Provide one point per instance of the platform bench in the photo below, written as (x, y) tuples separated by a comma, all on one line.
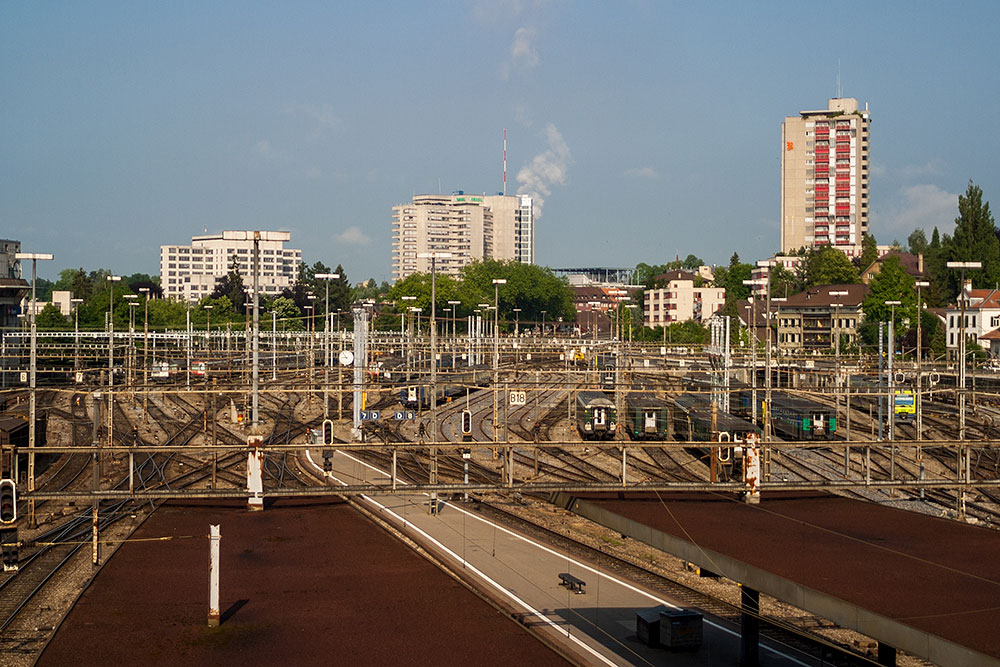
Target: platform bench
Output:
[(572, 583)]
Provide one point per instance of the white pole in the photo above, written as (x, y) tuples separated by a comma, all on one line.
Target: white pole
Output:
[(213, 576)]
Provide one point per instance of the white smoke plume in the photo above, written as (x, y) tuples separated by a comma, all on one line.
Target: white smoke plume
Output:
[(522, 50), (545, 170)]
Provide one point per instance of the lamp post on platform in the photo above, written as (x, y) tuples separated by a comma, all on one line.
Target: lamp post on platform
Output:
[(454, 304), (145, 346), (891, 398), (326, 277), (964, 296), (32, 376), (434, 257), (836, 351), (76, 333)]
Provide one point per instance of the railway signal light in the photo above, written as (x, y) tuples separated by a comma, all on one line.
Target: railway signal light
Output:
[(327, 432), (466, 422), (8, 501), (9, 549), (327, 460)]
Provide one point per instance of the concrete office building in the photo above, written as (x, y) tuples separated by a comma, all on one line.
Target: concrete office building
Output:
[(824, 178), (469, 227), (190, 272), (13, 287)]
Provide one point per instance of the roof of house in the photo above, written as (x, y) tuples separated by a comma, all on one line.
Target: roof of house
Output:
[(747, 311), (674, 275), (910, 263), (819, 296), (983, 298), (992, 335)]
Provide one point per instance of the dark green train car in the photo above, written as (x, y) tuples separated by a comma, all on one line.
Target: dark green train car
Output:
[(647, 417), (596, 416)]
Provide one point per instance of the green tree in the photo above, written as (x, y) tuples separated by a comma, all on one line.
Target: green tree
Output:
[(340, 292), (828, 266), (644, 273), (869, 252), (231, 286), (974, 240), (891, 283), (49, 318), (529, 287), (691, 262), (288, 315), (916, 242), (783, 282)]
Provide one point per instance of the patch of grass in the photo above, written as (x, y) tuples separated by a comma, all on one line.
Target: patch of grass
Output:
[(613, 541)]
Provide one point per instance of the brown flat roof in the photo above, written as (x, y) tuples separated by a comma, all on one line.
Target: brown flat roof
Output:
[(305, 582), (935, 575)]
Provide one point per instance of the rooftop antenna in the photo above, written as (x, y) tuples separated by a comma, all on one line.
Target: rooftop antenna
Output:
[(505, 161), (838, 79)]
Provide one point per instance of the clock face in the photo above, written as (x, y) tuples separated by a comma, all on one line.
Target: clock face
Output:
[(346, 358)]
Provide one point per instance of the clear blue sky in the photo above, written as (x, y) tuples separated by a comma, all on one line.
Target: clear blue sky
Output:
[(653, 126)]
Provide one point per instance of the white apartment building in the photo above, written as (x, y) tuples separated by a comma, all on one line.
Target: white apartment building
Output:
[(513, 227), (982, 320), (190, 272), (824, 177), (469, 227), (680, 301)]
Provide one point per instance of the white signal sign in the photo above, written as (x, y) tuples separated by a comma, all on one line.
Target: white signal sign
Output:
[(518, 397)]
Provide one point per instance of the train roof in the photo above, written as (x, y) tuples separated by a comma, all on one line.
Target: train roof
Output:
[(595, 397), (645, 399)]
